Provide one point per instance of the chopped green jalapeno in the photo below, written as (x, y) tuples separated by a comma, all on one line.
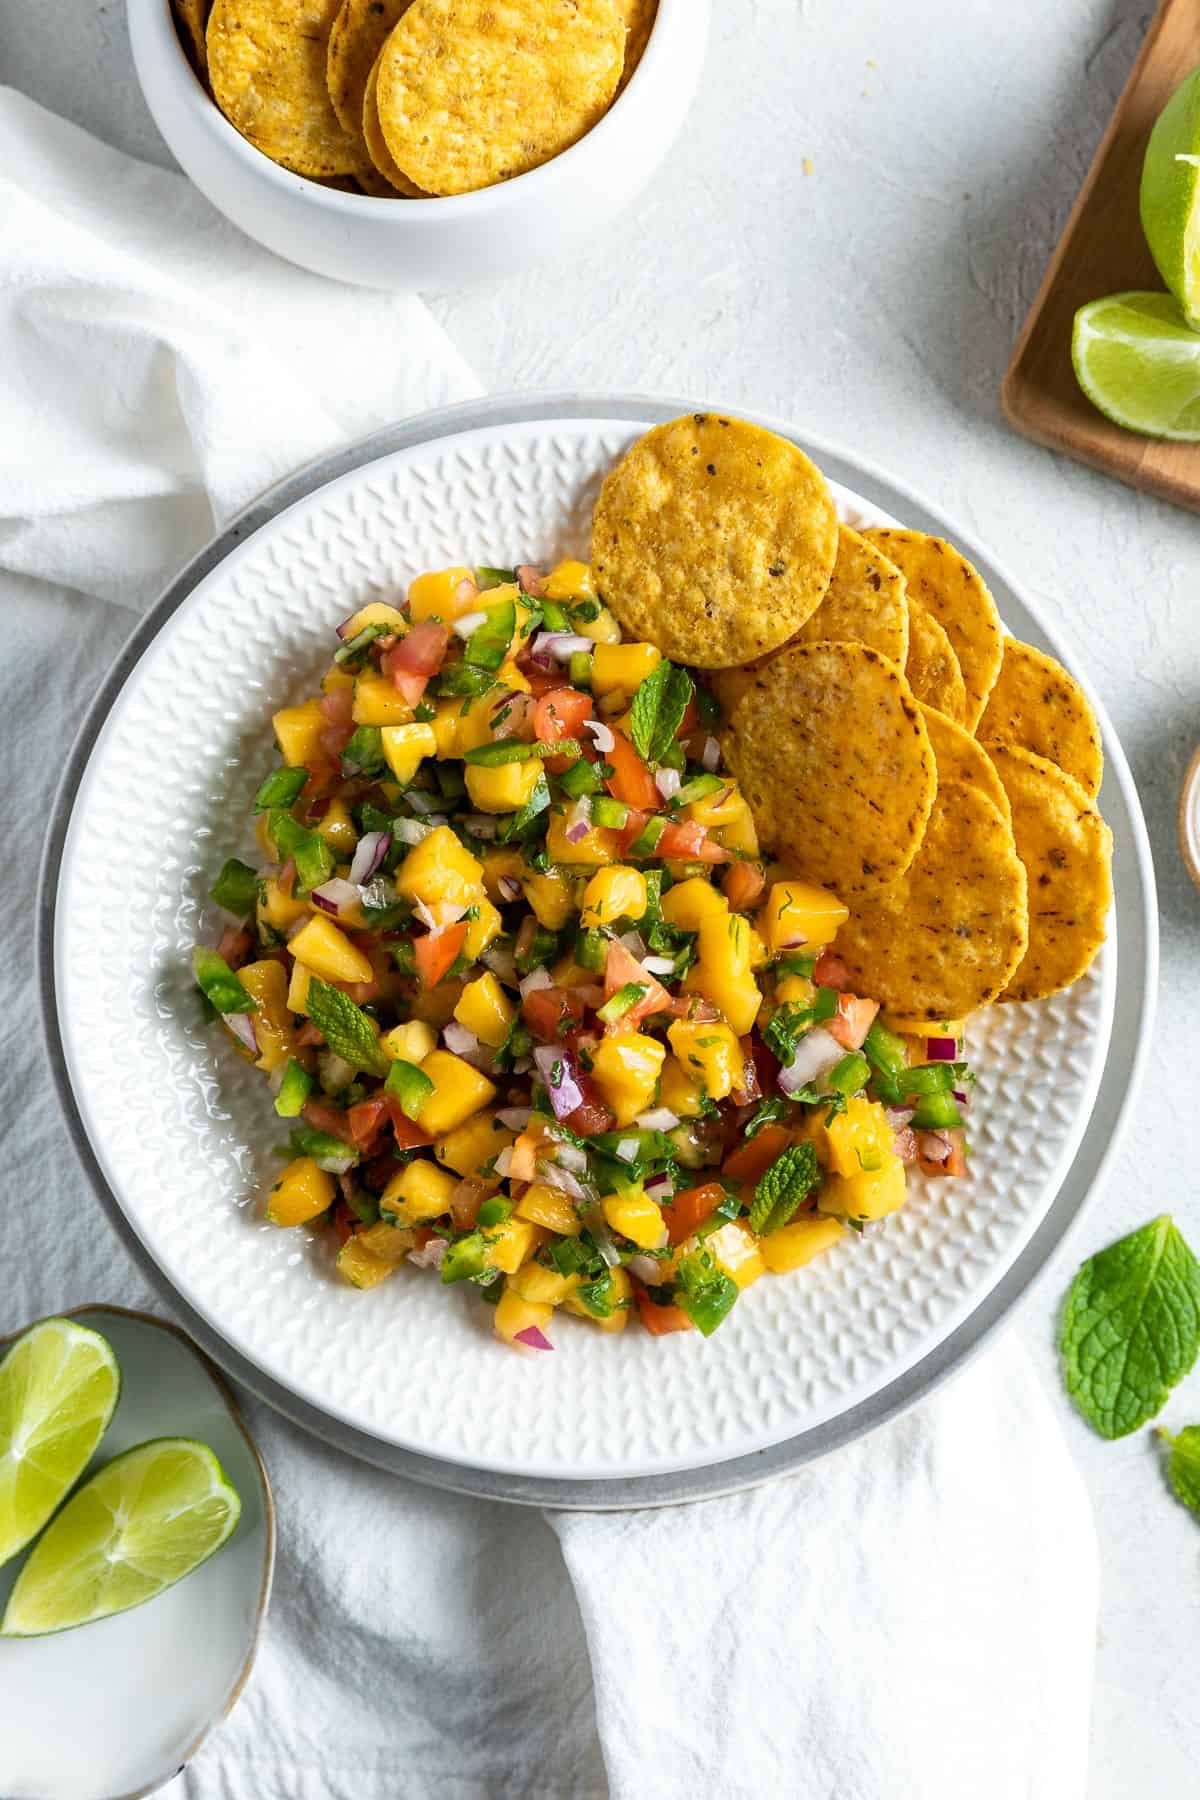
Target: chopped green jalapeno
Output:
[(294, 1089), (494, 1211), (218, 983), (465, 1259), (579, 670), (409, 1087), (236, 888), (581, 778), (282, 788), (936, 1112), (488, 644), (609, 814), (621, 1001)]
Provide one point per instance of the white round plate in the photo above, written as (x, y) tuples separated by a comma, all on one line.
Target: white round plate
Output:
[(117, 1708), (182, 1135)]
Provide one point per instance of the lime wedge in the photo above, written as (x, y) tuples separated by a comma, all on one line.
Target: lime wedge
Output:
[(1137, 360), (1170, 198), (141, 1523), (58, 1387)]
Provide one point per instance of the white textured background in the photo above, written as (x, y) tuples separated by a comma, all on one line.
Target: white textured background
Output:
[(877, 299)]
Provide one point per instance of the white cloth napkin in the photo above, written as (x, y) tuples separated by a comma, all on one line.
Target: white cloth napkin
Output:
[(911, 1618)]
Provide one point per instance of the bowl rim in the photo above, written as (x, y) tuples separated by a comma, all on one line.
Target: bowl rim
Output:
[(436, 208), (1120, 1076)]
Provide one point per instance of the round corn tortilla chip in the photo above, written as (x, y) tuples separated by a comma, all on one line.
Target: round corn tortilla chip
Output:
[(960, 758), (942, 581), (834, 760), (1067, 851), (266, 61), (191, 17), (932, 667), (1036, 705), (946, 937), (639, 17), (385, 168), (472, 92), (359, 33), (865, 602), (714, 539)]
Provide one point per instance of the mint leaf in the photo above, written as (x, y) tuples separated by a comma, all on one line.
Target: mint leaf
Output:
[(658, 708), (1183, 1465), (783, 1187), (1131, 1327), (345, 1027)]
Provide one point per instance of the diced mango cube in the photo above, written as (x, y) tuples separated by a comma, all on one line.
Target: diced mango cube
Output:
[(512, 1243), (798, 915), (614, 893), (405, 747), (598, 844), (513, 1313), (410, 1042), (795, 990), (720, 807), (569, 580), (336, 677), (552, 896), (735, 1249), (301, 1192), (626, 1067), (868, 1195), (680, 1091), (483, 925), (793, 1245), (603, 629), (634, 1215), (447, 716), (388, 1242), (266, 982), (689, 902), (337, 828), (710, 1054), (435, 595), (375, 612), (860, 1138), (297, 994), (458, 1092), (470, 1147), (376, 702), (484, 1008), (722, 971), (740, 832), (298, 732), (550, 1207), (506, 787), (275, 910), (544, 1287), (440, 868), (621, 668), (419, 1191), (328, 952)]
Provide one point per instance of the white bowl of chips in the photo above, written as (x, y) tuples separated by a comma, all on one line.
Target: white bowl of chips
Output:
[(615, 117)]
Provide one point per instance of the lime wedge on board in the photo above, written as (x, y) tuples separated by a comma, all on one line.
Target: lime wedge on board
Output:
[(59, 1385), (1138, 361), (1170, 196), (141, 1523)]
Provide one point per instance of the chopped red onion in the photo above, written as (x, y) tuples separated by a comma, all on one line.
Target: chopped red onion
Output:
[(500, 961), (899, 1116), (645, 1268), (334, 1072), (934, 1146), (661, 1186), (503, 1162), (337, 896), (710, 756), (533, 1338), (410, 831), (961, 1095), (659, 965), (481, 825), (515, 1118), (430, 1255), (564, 1180), (440, 914), (536, 978), (627, 1149), (570, 1156), (459, 1041), (242, 1027), (941, 1049), (344, 630), (659, 1118), (668, 782), (368, 855), (554, 1067), (815, 1055), (559, 646), (296, 925), (601, 736), (531, 579), (634, 943), (468, 623), (510, 887), (578, 820)]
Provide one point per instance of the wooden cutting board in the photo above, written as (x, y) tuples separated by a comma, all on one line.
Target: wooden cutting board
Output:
[(1102, 251)]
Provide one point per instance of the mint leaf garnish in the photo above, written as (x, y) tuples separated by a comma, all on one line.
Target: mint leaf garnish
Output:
[(1183, 1465), (1131, 1327), (658, 708), (783, 1188), (345, 1027)]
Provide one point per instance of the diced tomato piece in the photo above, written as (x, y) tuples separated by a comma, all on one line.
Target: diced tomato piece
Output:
[(309, 1034), (683, 1213), (531, 578), (465, 1203), (551, 1012), (690, 843), (631, 780), (235, 945), (414, 658), (322, 1115), (541, 681), (830, 971), (592, 1117), (436, 951), (379, 1171), (409, 1136), (338, 706), (344, 1222), (691, 1006), (749, 1089), (334, 740), (366, 1120), (632, 828), (754, 1156), (852, 1021), (659, 1320), (743, 884), (620, 968), (560, 714)]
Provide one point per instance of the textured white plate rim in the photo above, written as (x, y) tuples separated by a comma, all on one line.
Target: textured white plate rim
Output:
[(659, 1487)]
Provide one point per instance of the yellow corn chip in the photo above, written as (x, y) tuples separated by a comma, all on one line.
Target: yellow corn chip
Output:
[(942, 581), (714, 539), (932, 667), (385, 168), (1067, 851), (960, 758), (947, 936), (639, 16), (472, 92), (359, 33), (834, 759), (1038, 706), (191, 18), (865, 602), (266, 61)]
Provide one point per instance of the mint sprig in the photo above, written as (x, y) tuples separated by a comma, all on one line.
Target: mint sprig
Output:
[(345, 1027), (783, 1188), (1183, 1465), (1131, 1327), (658, 708)]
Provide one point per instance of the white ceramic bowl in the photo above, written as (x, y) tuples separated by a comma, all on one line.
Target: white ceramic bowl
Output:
[(426, 243)]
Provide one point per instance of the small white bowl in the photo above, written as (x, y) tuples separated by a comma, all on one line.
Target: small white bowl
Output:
[(118, 1707), (426, 243)]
